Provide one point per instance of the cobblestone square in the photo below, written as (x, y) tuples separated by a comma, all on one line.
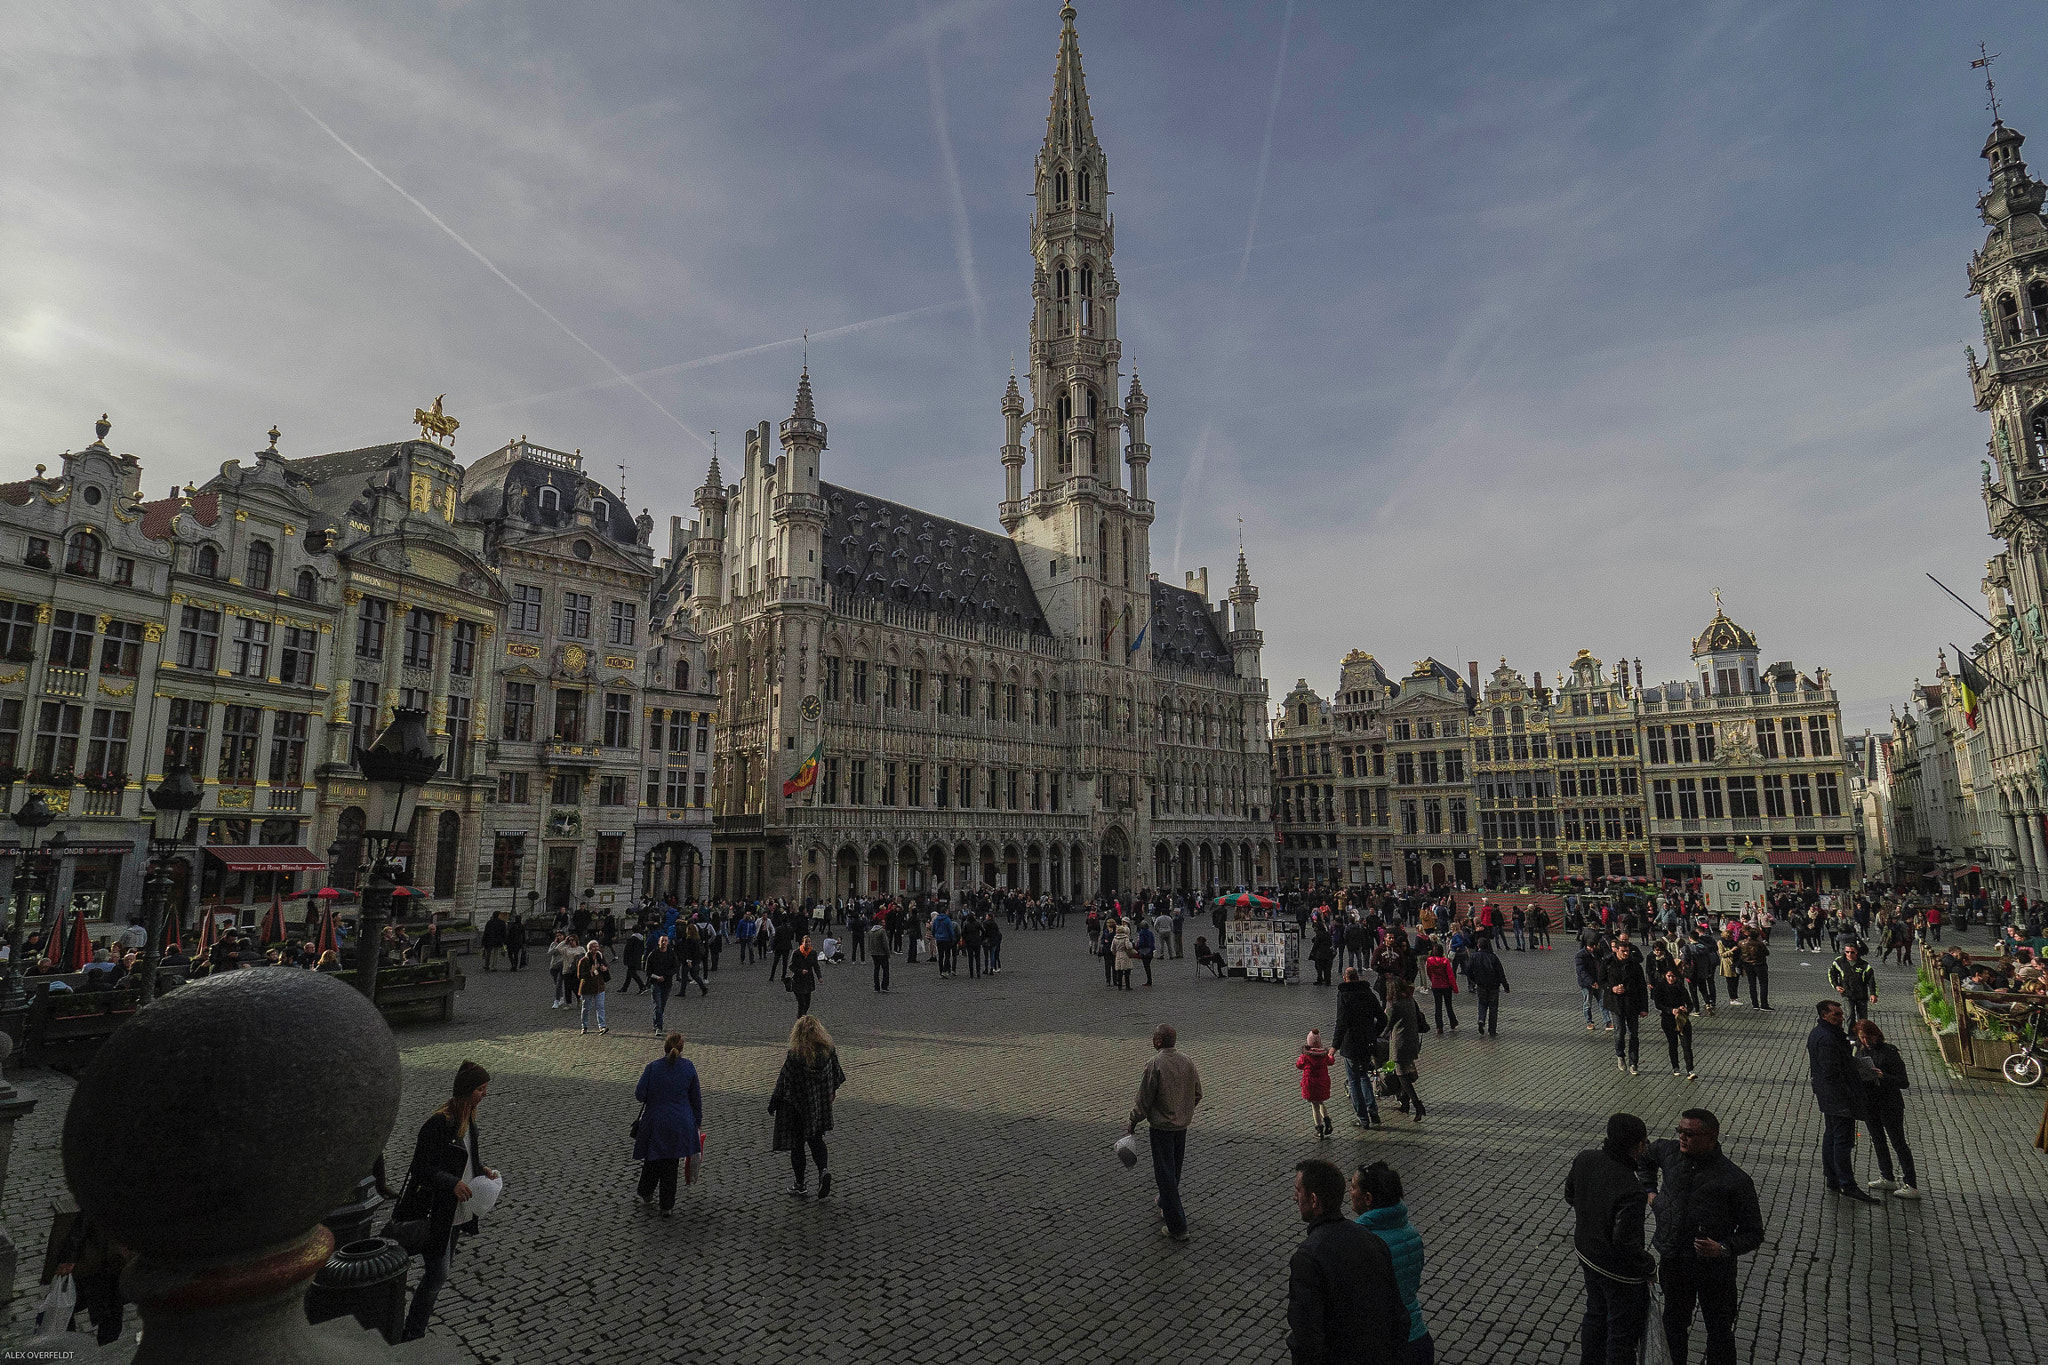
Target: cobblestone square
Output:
[(978, 1213)]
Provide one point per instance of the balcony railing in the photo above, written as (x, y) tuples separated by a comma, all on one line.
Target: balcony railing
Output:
[(101, 803), (65, 682), (285, 798)]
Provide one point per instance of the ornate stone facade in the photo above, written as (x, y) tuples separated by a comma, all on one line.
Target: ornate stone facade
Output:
[(1037, 710), (2009, 277)]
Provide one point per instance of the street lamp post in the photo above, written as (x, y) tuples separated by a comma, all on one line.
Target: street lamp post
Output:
[(173, 804), (33, 816), (394, 769)]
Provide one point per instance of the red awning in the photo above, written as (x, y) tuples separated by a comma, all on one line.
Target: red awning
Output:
[(266, 858)]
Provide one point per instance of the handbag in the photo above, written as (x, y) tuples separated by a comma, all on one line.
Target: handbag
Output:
[(409, 1233), (634, 1130)]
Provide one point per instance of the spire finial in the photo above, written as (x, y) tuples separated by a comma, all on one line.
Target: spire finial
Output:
[(1717, 601), (273, 434), (1984, 61)]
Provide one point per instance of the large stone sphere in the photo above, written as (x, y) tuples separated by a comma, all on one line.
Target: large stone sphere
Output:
[(232, 1114)]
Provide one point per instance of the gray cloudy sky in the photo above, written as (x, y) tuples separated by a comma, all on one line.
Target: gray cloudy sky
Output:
[(1505, 328)]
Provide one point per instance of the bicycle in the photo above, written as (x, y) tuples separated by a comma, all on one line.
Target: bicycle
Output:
[(2026, 1067)]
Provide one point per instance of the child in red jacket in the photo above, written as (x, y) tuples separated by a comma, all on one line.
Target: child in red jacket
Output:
[(1314, 1065)]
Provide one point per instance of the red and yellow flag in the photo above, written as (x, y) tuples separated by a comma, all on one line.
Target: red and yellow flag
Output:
[(806, 776)]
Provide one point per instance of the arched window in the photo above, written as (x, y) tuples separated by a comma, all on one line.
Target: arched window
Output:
[(1059, 186), (257, 574), (2008, 319), (1085, 186), (1065, 407), (601, 513), (1515, 717), (2037, 308), (1301, 714), (1500, 719), (1127, 558), (1102, 546), (682, 675), (206, 562), (550, 500), (1087, 300), (1102, 634), (308, 586), (348, 861), (447, 850), (84, 554)]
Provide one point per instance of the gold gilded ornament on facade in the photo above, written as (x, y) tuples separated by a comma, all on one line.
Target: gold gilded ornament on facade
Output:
[(434, 424)]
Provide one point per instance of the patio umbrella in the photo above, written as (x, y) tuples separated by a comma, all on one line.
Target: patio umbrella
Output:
[(203, 952), (77, 947), (328, 939), (1245, 900), (273, 923), (172, 938), (52, 946)]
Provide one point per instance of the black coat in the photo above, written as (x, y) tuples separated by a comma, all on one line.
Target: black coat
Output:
[(1343, 1303), (1361, 1019), (1714, 1198), (1831, 1065), (1485, 971), (1885, 1095), (1635, 996), (429, 1189)]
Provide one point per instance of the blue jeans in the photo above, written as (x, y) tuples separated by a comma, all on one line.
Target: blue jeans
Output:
[(1358, 1078), (1590, 996), (589, 1005), (433, 1277), (661, 989), (1168, 1152)]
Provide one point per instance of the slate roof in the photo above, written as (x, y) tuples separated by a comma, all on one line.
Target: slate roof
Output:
[(884, 551), (158, 516), (1183, 632), (513, 492)]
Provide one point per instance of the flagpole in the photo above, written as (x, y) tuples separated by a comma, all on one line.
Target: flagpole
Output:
[(2001, 680)]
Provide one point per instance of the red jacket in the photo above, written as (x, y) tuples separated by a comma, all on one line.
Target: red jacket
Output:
[(1315, 1074), (1442, 976)]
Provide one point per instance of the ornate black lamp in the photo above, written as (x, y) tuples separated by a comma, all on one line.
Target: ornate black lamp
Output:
[(172, 805), (394, 768), (34, 816)]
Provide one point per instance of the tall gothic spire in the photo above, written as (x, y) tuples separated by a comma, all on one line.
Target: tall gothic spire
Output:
[(803, 411), (1068, 126)]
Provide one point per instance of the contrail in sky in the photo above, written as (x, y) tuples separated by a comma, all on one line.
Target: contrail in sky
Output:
[(453, 235), (963, 240), (703, 360), (1200, 458)]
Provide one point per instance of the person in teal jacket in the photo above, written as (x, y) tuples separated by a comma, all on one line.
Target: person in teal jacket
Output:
[(1376, 1199)]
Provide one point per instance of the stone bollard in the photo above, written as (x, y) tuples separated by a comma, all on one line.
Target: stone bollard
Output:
[(210, 1136)]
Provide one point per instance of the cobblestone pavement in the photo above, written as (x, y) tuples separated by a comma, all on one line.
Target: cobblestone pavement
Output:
[(978, 1212)]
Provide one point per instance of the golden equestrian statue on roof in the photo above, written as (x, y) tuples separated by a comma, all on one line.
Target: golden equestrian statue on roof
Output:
[(434, 424)]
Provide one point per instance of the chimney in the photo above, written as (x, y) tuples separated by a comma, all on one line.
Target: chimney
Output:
[(1472, 672), (1198, 583), (675, 537), (1639, 675), (1539, 681)]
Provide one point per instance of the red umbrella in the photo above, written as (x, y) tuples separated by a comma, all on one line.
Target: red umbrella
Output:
[(78, 948), (204, 951), (273, 923), (52, 946), (172, 938), (328, 939)]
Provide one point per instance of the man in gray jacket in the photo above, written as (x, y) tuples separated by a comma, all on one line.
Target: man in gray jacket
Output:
[(1167, 1095)]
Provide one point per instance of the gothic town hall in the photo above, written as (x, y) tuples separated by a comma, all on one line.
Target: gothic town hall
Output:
[(911, 704)]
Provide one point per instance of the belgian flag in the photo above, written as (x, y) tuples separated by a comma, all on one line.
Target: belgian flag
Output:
[(1970, 681)]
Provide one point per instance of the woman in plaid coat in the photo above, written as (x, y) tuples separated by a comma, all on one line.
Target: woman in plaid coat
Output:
[(802, 1102)]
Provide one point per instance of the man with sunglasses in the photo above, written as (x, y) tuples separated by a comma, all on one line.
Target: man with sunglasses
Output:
[(1707, 1215)]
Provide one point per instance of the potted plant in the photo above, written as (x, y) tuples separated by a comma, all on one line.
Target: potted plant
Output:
[(60, 779), (104, 782)]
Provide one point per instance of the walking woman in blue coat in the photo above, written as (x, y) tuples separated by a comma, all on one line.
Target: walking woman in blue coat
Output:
[(670, 1129)]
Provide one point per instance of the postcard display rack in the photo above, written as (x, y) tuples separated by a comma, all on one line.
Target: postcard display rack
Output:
[(1262, 948)]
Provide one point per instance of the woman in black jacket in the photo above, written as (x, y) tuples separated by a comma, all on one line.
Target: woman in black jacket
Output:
[(1884, 1077), (444, 1157)]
